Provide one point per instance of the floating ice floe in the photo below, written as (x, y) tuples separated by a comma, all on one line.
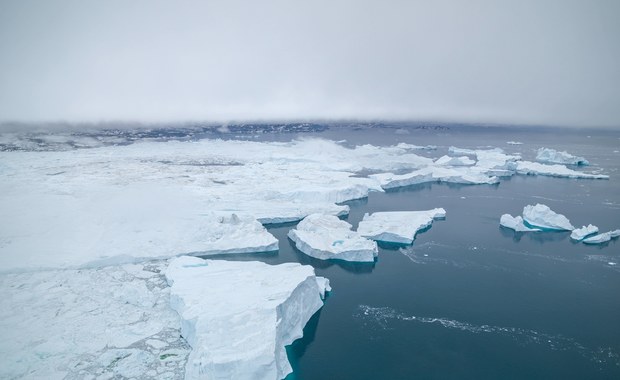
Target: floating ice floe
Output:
[(553, 156), (602, 238), (535, 168), (397, 226), (238, 317), (542, 216), (516, 223), (327, 237), (583, 232), (464, 176), (454, 161)]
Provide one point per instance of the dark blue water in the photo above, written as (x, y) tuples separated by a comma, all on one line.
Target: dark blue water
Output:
[(469, 299)]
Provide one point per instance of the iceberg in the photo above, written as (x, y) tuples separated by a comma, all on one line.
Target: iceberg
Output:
[(515, 223), (542, 216), (602, 238), (238, 317), (454, 161), (465, 176), (583, 232), (535, 168), (553, 156), (327, 237), (398, 227)]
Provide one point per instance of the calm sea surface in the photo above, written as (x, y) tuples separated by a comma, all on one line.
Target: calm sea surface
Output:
[(469, 299)]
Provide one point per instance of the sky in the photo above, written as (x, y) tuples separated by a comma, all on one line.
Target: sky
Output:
[(536, 62)]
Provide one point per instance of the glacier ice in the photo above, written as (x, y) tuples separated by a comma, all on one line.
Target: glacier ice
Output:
[(454, 161), (466, 176), (552, 156), (327, 237), (602, 238), (542, 216), (583, 232), (515, 223), (397, 226), (239, 316), (535, 168)]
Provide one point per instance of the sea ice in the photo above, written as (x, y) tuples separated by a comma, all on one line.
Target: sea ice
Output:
[(602, 238), (239, 316), (460, 175), (515, 223), (535, 168), (553, 156), (454, 161), (398, 226), (327, 237), (542, 216), (583, 232)]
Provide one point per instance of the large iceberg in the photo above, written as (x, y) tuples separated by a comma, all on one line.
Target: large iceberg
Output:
[(515, 223), (464, 175), (238, 317), (327, 237), (454, 161), (583, 232), (552, 156), (535, 168), (397, 226), (602, 238), (542, 216)]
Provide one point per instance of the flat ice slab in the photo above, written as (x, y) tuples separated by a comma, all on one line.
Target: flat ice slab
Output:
[(397, 226), (515, 223), (542, 216), (602, 238), (583, 232), (460, 175), (552, 156), (239, 316), (327, 237), (535, 168)]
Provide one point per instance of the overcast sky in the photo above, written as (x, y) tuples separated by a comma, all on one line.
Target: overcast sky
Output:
[(525, 62)]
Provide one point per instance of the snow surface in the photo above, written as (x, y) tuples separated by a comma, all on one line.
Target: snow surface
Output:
[(398, 226), (107, 322), (239, 316), (583, 232), (515, 223), (553, 156), (327, 237), (542, 216), (602, 238)]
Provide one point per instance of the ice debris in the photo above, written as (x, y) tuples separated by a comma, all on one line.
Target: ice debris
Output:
[(602, 238), (553, 156), (583, 232), (397, 226), (327, 237), (238, 317), (515, 223), (542, 216)]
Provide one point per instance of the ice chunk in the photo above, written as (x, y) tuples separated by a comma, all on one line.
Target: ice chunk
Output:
[(535, 168), (398, 226), (239, 316), (515, 223), (327, 237), (461, 175), (542, 216), (454, 161), (602, 238), (583, 232), (553, 156)]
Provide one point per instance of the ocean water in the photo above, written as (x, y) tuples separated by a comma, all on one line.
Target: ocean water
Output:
[(470, 299)]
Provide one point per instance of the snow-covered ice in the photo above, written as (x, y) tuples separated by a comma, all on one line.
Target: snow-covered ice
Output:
[(515, 223), (464, 176), (535, 168), (583, 232), (602, 238), (552, 156), (542, 216), (454, 161), (397, 226), (327, 237), (239, 316)]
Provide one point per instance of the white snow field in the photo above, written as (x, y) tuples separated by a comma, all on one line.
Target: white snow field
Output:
[(553, 156), (398, 227), (516, 223), (583, 232), (239, 316), (327, 237), (543, 217)]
